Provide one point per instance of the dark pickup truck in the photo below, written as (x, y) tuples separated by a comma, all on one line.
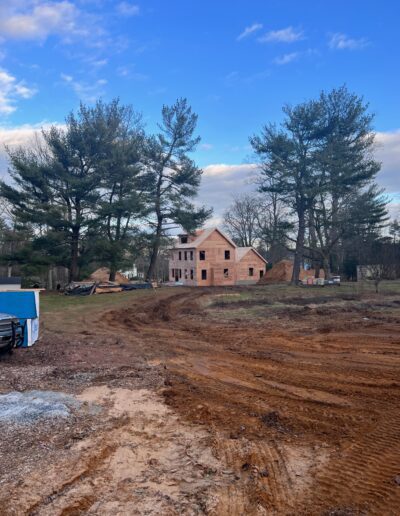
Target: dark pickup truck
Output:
[(11, 333)]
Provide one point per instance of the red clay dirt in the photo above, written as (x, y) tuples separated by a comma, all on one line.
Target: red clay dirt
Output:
[(293, 411)]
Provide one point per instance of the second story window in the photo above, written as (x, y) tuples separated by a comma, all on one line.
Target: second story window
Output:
[(185, 255), (202, 255), (180, 255), (191, 255), (183, 239), (227, 255)]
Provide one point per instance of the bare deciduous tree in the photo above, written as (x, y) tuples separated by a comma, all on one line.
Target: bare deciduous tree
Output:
[(241, 219)]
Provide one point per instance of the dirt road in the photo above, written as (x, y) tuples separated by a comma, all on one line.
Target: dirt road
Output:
[(211, 404)]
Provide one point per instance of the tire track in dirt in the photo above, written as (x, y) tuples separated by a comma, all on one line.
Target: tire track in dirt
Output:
[(148, 463), (337, 396)]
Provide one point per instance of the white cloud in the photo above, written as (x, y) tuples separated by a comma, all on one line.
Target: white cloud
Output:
[(286, 58), (249, 30), (19, 136), (128, 9), (287, 35), (220, 182), (206, 146), (38, 19), (87, 92), (340, 41), (10, 91), (388, 152)]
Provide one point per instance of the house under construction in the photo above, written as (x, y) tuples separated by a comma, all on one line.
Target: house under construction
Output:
[(211, 258)]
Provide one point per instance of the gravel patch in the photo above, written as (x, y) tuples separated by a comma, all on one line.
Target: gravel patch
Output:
[(27, 408)]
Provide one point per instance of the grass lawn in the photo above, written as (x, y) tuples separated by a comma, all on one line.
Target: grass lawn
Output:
[(63, 313)]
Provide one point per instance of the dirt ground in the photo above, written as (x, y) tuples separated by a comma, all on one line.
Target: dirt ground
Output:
[(253, 400)]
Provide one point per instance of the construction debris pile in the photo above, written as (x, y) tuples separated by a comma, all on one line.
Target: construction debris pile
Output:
[(98, 283)]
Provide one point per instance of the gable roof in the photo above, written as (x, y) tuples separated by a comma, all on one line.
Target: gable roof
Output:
[(242, 251), (203, 235)]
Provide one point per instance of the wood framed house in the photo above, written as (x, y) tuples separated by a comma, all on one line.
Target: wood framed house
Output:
[(211, 258)]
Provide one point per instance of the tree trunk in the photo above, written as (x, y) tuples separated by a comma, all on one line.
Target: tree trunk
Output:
[(154, 253), (74, 268), (113, 273), (326, 267), (298, 255), (50, 278)]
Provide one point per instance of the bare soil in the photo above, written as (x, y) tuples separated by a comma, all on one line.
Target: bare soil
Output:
[(261, 400)]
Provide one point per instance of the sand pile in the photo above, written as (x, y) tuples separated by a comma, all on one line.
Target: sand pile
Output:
[(103, 274), (282, 272)]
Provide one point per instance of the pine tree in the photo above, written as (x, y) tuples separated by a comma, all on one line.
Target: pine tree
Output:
[(57, 184), (172, 176)]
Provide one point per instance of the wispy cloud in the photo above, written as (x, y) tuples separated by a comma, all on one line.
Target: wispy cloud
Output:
[(287, 35), (88, 92), (286, 58), (249, 30), (294, 56), (206, 146), (340, 41), (235, 77), (128, 9), (11, 90), (130, 73)]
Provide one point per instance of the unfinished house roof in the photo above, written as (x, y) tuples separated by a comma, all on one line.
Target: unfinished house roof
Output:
[(202, 235), (242, 251)]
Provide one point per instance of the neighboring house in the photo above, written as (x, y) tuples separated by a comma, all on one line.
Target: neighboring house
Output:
[(210, 257)]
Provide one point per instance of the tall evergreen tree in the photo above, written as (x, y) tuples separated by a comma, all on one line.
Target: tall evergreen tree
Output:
[(173, 177), (320, 163), (346, 167), (57, 185), (123, 198), (288, 157)]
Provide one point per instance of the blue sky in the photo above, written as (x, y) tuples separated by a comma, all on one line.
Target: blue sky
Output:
[(237, 62)]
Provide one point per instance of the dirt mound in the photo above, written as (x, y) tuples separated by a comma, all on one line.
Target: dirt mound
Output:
[(103, 274), (282, 272)]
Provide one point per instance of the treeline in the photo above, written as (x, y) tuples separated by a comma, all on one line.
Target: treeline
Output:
[(101, 190), (317, 197)]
